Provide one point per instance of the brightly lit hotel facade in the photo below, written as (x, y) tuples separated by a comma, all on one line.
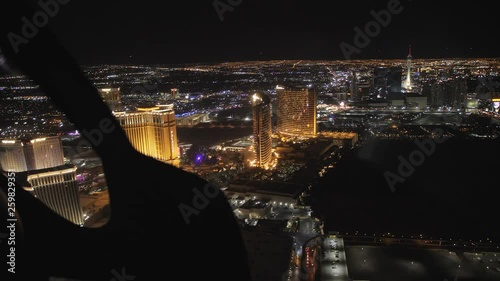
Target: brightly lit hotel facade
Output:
[(31, 154), (296, 112), (40, 169), (262, 129), (58, 189), (152, 131)]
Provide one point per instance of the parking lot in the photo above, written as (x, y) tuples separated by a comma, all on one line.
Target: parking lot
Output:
[(333, 262), (399, 263)]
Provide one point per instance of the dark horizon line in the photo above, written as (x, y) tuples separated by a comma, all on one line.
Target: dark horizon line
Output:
[(286, 60), (5, 73)]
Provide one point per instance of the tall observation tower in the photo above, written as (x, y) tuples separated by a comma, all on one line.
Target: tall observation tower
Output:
[(408, 85)]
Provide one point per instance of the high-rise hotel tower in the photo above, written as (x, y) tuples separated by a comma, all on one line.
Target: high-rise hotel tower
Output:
[(39, 167), (296, 112), (152, 131), (262, 128)]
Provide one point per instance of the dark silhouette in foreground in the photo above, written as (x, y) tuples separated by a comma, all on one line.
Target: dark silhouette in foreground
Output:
[(147, 237)]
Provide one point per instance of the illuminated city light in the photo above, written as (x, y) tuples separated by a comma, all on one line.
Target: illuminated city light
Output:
[(38, 140)]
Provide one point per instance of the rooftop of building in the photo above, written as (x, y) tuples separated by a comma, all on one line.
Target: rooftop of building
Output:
[(27, 139), (267, 226), (255, 204), (109, 89), (241, 143), (192, 117), (339, 135), (159, 108), (22, 177), (290, 88), (260, 99), (266, 187)]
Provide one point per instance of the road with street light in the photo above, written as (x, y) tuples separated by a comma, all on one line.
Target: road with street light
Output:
[(334, 261)]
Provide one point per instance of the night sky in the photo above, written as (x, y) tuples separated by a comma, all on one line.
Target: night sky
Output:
[(164, 32)]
